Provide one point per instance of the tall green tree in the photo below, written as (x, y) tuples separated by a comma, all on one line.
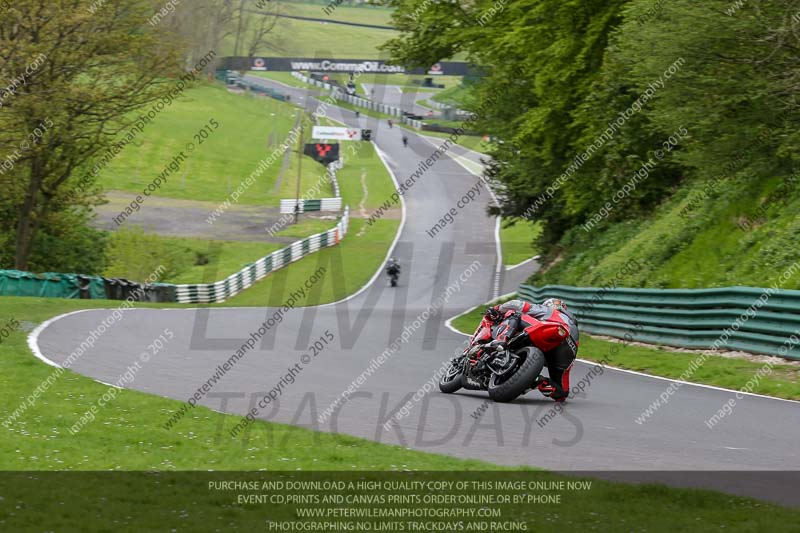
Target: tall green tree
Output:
[(737, 92), (81, 68), (541, 58)]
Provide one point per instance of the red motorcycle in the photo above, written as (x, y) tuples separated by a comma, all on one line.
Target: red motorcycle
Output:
[(505, 367)]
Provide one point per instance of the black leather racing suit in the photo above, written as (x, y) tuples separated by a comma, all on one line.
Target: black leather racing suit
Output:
[(560, 359)]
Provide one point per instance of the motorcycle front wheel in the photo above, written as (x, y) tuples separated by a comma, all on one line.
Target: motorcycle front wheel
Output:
[(508, 386), (450, 381)]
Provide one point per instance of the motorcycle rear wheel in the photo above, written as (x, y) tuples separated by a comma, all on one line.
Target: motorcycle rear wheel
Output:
[(508, 389)]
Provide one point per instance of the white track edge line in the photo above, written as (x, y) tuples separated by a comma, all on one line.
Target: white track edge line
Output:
[(33, 338), (534, 258), (660, 378)]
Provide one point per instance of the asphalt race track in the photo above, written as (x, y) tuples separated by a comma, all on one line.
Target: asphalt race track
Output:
[(596, 432)]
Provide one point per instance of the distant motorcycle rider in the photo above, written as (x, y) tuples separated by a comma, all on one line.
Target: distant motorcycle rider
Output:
[(559, 360), (393, 270)]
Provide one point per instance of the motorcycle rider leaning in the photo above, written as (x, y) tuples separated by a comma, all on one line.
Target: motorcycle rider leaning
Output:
[(559, 360)]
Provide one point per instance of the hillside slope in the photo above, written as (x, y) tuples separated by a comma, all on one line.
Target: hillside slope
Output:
[(706, 235)]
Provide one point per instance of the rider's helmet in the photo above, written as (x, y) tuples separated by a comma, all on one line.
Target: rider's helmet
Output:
[(555, 303)]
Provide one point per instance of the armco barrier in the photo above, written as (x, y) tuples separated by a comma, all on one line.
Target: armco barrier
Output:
[(235, 283), (764, 321)]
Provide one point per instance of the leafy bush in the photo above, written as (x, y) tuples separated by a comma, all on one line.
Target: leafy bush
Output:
[(134, 254)]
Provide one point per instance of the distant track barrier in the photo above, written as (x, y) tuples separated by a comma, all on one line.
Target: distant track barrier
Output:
[(305, 206), (52, 285), (763, 321), (357, 101), (236, 283)]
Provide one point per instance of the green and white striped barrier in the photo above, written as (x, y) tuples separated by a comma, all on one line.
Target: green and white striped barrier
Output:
[(236, 283), (307, 206)]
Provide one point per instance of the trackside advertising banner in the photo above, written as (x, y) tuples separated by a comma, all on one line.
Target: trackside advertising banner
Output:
[(332, 133), (290, 64)]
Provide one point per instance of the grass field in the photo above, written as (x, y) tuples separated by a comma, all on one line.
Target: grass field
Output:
[(378, 15), (517, 241), (248, 115), (454, 94), (217, 166), (348, 267), (783, 382), (305, 38), (128, 434), (228, 257)]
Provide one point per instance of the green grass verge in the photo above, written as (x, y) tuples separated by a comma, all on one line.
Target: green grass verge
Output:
[(454, 95), (783, 382), (128, 434), (517, 240), (229, 257), (348, 267)]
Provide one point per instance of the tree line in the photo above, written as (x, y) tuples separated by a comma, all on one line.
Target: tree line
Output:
[(75, 72), (582, 93)]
